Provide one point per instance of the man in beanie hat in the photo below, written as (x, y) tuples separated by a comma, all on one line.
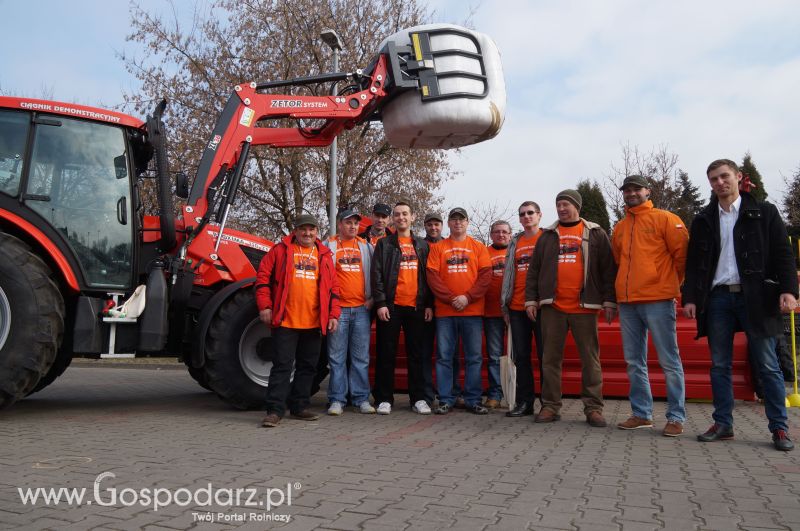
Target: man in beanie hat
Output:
[(570, 278)]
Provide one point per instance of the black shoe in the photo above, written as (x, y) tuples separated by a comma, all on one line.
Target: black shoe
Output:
[(478, 409), (443, 409), (716, 433), (782, 441), (521, 409)]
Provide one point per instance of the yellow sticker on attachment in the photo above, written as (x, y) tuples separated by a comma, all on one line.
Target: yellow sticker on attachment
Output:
[(417, 47)]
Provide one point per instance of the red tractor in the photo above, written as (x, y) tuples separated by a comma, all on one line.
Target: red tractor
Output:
[(73, 234)]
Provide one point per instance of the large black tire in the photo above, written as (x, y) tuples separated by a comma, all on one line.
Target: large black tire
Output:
[(199, 376), (31, 319), (63, 360), (239, 353)]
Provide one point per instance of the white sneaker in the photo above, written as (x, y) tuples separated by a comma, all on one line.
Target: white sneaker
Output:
[(384, 408), (421, 407), (336, 409), (366, 408)]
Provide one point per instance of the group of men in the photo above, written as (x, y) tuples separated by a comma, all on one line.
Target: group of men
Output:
[(735, 271)]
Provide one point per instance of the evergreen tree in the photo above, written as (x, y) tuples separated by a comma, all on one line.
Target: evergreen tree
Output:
[(749, 169), (791, 199), (689, 202), (594, 204)]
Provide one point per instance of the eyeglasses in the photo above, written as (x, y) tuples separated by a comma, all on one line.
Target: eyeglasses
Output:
[(528, 213)]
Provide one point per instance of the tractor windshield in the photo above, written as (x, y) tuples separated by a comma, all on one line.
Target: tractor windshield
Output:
[(79, 182)]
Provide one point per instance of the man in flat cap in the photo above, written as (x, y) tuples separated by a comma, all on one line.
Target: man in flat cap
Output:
[(297, 294), (571, 278)]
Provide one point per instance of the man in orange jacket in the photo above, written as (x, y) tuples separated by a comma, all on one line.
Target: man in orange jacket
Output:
[(649, 247)]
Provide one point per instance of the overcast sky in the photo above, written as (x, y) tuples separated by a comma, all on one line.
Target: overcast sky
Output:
[(707, 79)]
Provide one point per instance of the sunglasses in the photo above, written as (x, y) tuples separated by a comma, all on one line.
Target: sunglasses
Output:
[(528, 213)]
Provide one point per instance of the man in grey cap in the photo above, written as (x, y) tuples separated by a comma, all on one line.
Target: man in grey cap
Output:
[(381, 213), (297, 294), (570, 278)]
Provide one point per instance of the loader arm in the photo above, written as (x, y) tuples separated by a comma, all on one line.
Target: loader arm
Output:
[(238, 126)]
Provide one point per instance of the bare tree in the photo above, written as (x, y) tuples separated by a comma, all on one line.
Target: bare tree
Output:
[(236, 41), (481, 217), (659, 167)]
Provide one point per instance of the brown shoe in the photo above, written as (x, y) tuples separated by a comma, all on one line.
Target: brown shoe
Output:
[(596, 420), (270, 421), (492, 404), (305, 415), (546, 415), (459, 403), (672, 429), (634, 423)]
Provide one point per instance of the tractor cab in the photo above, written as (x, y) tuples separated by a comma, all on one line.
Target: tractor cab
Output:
[(71, 178)]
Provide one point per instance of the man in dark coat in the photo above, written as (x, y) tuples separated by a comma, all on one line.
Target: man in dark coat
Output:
[(740, 275)]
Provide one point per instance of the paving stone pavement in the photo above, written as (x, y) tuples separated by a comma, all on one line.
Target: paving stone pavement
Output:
[(126, 433)]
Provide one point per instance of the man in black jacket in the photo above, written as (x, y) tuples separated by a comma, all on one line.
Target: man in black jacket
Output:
[(402, 299), (740, 275)]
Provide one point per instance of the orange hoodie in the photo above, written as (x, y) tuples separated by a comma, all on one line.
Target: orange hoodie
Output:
[(649, 247)]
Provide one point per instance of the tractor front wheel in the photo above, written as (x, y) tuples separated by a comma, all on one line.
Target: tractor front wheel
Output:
[(239, 353)]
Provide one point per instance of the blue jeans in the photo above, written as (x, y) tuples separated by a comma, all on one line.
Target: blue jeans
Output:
[(494, 329), (659, 318), (448, 330), (724, 311), (352, 335)]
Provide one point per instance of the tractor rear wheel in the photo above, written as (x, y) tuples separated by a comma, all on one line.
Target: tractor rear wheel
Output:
[(63, 360), (31, 319), (239, 353)]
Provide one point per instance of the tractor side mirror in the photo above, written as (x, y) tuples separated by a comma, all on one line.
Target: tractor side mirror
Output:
[(121, 166), (181, 185)]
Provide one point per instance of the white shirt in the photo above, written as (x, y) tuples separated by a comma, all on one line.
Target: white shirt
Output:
[(727, 270)]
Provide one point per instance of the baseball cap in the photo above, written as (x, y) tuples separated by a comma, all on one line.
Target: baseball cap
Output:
[(347, 213), (382, 208), (458, 211), (635, 180), (433, 215), (305, 219)]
